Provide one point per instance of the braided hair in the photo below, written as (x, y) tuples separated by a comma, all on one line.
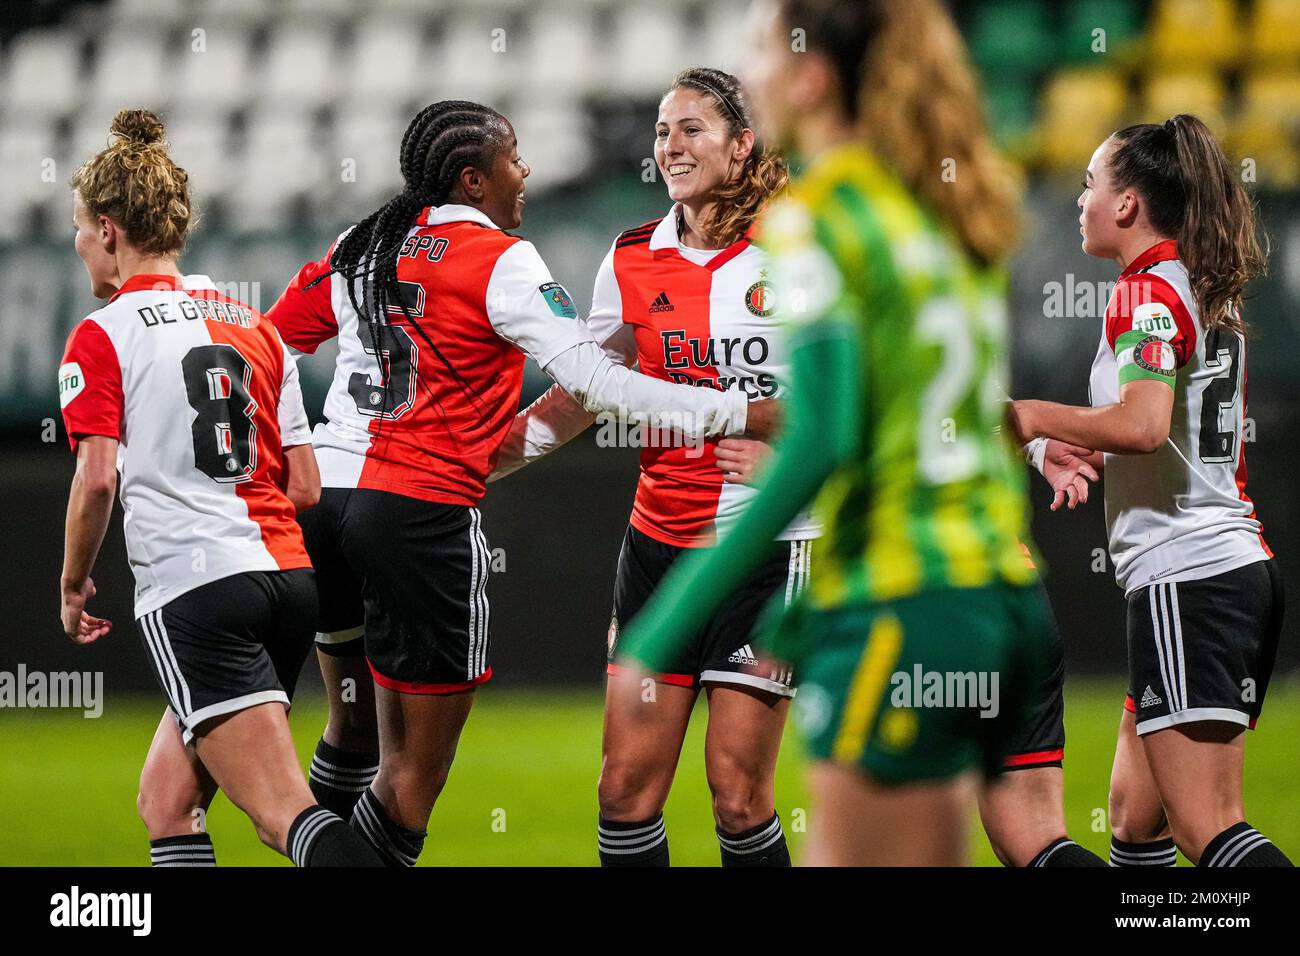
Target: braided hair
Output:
[(439, 143)]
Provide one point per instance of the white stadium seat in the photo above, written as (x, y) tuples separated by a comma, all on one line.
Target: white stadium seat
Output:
[(651, 45), (132, 69), (368, 134), (44, 73), (302, 66), (282, 160), (389, 61), (216, 74)]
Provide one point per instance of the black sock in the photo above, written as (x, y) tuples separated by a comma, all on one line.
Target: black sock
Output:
[(763, 845), (1242, 845), (395, 843), (634, 843), (1155, 853), (1065, 852), (339, 777), (321, 838), (192, 850)]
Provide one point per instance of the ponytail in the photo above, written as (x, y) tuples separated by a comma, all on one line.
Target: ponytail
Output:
[(1192, 195)]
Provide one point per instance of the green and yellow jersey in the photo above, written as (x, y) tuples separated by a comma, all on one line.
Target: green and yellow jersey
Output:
[(935, 495)]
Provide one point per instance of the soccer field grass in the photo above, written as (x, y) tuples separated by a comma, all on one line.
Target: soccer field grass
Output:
[(522, 791)]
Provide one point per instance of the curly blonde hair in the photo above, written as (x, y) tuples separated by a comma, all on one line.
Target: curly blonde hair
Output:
[(134, 182)]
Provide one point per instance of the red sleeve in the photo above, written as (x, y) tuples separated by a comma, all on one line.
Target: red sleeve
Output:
[(90, 385), (1150, 305), (305, 317)]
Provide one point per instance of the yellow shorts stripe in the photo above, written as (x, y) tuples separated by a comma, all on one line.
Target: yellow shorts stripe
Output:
[(878, 660)]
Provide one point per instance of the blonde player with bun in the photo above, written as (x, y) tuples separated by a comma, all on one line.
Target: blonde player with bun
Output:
[(194, 400)]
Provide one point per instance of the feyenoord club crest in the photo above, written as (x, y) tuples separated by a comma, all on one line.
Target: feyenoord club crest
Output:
[(760, 300), (1155, 355)]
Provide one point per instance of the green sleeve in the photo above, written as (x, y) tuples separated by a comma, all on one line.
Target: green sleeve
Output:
[(821, 431)]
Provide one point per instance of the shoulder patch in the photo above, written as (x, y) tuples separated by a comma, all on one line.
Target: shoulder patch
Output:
[(1155, 318), (71, 383), (560, 302)]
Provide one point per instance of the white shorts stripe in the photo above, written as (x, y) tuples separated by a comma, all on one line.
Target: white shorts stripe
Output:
[(186, 702)]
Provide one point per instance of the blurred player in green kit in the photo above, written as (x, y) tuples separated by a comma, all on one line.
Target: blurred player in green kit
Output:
[(923, 641)]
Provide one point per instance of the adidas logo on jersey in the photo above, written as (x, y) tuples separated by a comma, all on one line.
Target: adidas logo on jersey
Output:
[(661, 304), (743, 656), (1150, 698)]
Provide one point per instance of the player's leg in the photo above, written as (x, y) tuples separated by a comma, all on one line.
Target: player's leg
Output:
[(347, 755), (175, 793), (1023, 808), (644, 725), (1139, 829), (425, 568), (1212, 642), (226, 655), (640, 745), (740, 753), (857, 821), (749, 699)]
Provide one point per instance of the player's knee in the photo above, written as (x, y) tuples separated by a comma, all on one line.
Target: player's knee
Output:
[(166, 812), (626, 793), (742, 797), (1135, 819)]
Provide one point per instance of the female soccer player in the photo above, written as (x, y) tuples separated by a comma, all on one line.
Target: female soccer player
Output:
[(225, 598), (1168, 391), (687, 296), (435, 307), (890, 272)]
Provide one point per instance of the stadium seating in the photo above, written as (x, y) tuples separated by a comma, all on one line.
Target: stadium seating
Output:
[(338, 79)]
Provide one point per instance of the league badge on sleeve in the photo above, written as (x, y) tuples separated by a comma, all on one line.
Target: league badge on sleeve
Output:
[(561, 302)]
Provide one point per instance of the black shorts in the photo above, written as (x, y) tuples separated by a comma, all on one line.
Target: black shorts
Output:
[(722, 651), (410, 575), (1041, 740), (231, 644), (1204, 650)]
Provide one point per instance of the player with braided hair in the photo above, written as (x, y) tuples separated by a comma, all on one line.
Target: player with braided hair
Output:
[(435, 306)]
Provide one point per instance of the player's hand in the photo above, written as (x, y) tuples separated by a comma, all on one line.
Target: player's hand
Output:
[(763, 419), (1067, 470), (82, 628), (741, 459)]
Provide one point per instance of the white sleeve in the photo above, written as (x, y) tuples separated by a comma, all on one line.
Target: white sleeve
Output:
[(529, 309), (294, 427), (545, 425), (601, 385), (606, 317)]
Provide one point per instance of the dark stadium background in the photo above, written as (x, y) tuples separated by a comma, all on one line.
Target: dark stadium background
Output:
[(559, 523)]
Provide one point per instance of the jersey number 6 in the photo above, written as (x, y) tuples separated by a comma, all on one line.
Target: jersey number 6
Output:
[(217, 378)]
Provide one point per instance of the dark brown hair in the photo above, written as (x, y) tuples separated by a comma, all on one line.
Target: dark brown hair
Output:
[(906, 81), (736, 203), (1192, 195), (134, 182)]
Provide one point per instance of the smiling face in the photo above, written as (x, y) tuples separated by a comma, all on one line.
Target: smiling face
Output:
[(96, 236), (503, 186), (1102, 207), (694, 150)]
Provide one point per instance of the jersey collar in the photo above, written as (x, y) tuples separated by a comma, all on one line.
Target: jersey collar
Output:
[(455, 212), (1162, 251), (665, 237), (146, 281)]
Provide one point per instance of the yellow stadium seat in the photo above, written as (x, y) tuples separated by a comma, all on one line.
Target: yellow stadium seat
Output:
[(1194, 33), (1267, 131), (1201, 93), (1274, 34), (1079, 108)]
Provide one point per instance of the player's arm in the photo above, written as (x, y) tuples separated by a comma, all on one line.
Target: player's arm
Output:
[(821, 432), (304, 314), (556, 418), (1153, 335), (90, 505), (300, 480), (525, 309)]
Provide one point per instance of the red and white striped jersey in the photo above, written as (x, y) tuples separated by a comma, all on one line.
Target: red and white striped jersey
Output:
[(1181, 513), (203, 397), (432, 425), (699, 318)]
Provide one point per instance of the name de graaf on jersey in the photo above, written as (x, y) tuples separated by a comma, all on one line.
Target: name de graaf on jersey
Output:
[(1182, 512), (202, 397)]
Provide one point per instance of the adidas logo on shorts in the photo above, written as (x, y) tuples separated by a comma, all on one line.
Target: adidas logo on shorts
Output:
[(743, 656), (1150, 698)]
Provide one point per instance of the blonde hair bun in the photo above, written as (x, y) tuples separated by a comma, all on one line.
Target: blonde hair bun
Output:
[(137, 126)]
